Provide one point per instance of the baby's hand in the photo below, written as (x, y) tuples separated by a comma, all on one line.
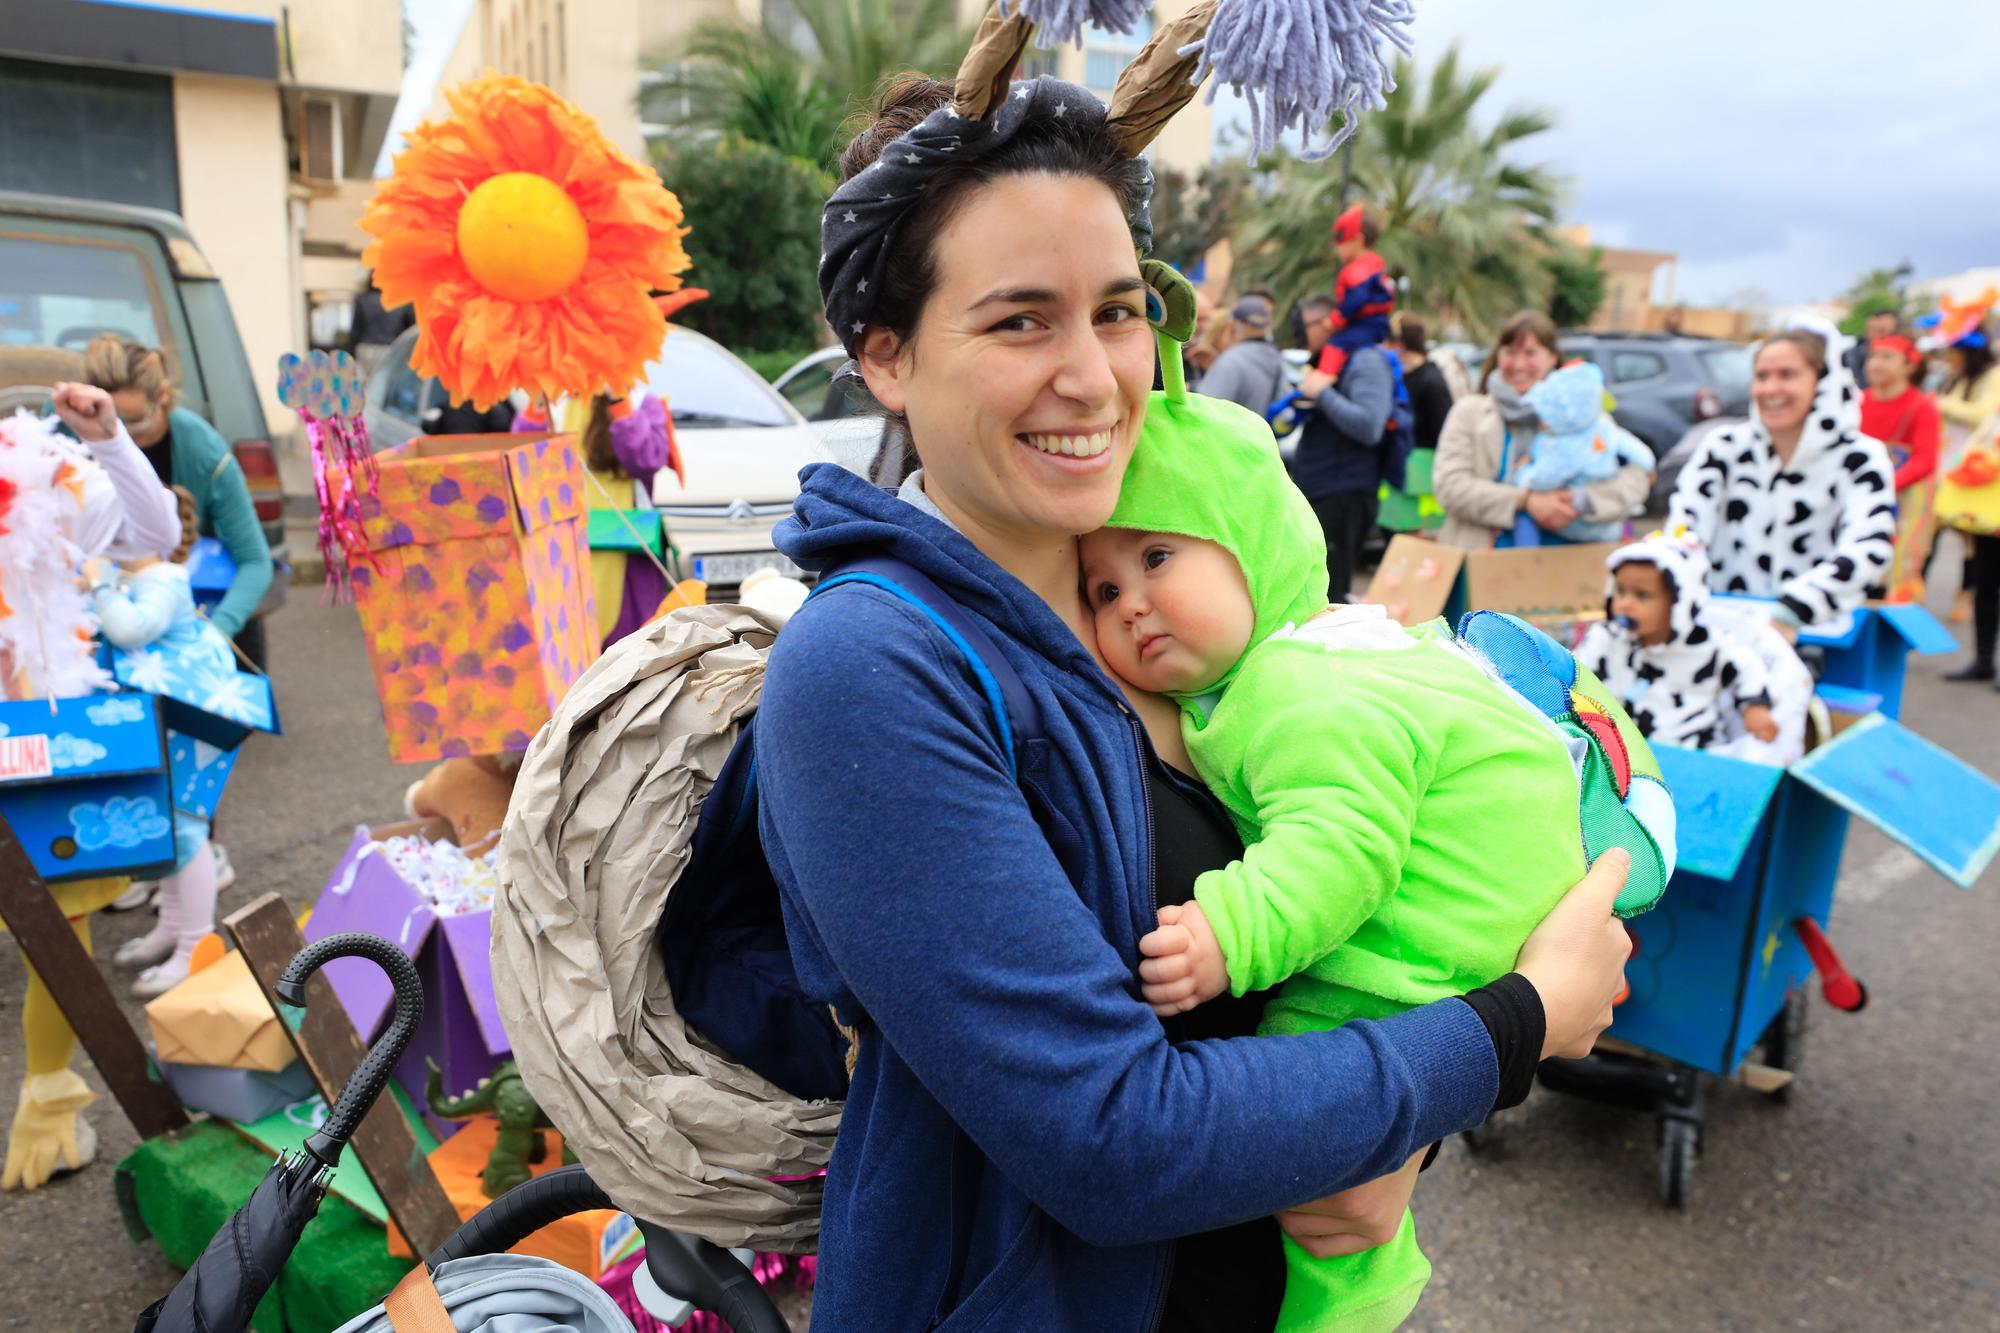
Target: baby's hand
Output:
[(1183, 962), (1757, 720)]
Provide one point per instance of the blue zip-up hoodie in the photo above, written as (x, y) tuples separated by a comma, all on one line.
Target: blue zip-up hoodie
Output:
[(985, 933)]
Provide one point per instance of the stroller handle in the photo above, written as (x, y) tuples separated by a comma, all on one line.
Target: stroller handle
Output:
[(368, 1080), (706, 1275)]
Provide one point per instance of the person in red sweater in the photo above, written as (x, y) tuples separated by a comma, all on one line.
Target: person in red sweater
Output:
[(1905, 419), (1364, 298)]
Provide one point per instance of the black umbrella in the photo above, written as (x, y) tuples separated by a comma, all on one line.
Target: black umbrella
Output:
[(222, 1289)]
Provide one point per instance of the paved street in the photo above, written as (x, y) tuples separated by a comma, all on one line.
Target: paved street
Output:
[(1871, 1201)]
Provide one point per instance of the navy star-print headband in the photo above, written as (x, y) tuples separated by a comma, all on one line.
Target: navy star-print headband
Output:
[(864, 216)]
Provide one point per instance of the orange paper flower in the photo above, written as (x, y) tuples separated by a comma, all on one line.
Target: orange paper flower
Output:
[(529, 245)]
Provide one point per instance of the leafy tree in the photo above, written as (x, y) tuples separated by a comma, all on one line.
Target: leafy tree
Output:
[(1876, 291), (1578, 283), (1190, 217), (1465, 217), (792, 77), (753, 217)]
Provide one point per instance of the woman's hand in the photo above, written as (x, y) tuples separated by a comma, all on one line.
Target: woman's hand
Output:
[(1575, 959), (1551, 510), (1357, 1219), (87, 411)]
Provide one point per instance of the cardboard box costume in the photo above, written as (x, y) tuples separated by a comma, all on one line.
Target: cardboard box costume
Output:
[(473, 599)]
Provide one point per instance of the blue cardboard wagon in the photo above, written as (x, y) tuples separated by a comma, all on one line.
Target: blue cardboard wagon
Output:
[(84, 785), (1720, 969)]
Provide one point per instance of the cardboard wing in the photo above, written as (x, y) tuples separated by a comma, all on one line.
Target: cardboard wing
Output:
[(474, 594), (219, 1017), (199, 771), (84, 785), (221, 707), (1920, 795)]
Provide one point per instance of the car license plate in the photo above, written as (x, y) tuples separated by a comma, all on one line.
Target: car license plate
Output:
[(738, 566)]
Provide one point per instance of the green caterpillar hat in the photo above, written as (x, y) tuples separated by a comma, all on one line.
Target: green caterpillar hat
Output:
[(1208, 468)]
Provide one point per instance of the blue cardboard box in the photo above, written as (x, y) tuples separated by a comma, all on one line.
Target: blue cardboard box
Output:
[(84, 785), (210, 570), (242, 1095), (1760, 848)]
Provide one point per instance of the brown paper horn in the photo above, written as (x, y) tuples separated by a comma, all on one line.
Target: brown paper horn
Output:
[(989, 66), (1158, 82)]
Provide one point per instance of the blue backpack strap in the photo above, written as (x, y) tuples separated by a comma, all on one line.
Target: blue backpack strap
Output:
[(1014, 709)]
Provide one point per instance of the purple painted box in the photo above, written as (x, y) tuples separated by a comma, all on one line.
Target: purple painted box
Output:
[(461, 1028)]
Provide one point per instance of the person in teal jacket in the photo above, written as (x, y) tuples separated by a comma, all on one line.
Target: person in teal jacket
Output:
[(1408, 814), (186, 451)]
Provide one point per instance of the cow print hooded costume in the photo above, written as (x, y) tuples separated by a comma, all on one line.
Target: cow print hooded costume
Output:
[(1691, 690), (1814, 536)]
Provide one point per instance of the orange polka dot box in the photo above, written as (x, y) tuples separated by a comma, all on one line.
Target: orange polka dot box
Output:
[(473, 592)]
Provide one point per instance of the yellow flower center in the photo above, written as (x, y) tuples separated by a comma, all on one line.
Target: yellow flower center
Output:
[(522, 236)]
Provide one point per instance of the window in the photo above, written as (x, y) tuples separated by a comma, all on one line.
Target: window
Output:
[(1629, 366), (93, 133), (807, 390), (403, 391), (704, 386), (1727, 368), (60, 293), (1106, 54)]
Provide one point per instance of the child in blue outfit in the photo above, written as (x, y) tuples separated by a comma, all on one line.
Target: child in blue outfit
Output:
[(1578, 444), (145, 607)]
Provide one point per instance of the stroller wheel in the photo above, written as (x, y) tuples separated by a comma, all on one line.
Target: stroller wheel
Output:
[(1784, 1041), (1680, 1146)]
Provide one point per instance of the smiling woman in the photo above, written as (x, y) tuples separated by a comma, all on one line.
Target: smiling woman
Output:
[(1795, 506), (1024, 1144)]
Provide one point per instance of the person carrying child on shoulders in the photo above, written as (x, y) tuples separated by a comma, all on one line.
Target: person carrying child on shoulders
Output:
[(1363, 297), (1691, 674)]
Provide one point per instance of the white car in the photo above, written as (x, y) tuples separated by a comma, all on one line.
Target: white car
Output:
[(742, 445), (849, 424)]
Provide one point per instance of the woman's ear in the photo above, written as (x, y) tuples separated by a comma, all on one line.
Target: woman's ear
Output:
[(881, 363)]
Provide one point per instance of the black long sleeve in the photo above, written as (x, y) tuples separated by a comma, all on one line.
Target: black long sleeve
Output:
[(1512, 1012)]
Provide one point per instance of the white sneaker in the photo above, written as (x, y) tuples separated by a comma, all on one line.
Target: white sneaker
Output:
[(144, 951), (225, 873), (158, 980), (143, 893)]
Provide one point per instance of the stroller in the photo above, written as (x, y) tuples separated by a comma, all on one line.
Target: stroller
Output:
[(470, 1281)]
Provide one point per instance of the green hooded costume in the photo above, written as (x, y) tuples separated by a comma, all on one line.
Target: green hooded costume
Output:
[(1407, 819)]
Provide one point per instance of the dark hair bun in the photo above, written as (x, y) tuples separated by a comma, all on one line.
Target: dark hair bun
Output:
[(905, 102)]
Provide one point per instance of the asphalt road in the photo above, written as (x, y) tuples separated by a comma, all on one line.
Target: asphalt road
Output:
[(1870, 1201)]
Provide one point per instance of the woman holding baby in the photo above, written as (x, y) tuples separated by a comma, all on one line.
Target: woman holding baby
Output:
[(1024, 1143), (1484, 448)]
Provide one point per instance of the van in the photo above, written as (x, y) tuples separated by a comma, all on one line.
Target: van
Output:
[(71, 269)]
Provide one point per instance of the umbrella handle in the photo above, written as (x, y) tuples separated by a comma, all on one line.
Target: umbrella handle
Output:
[(367, 1081)]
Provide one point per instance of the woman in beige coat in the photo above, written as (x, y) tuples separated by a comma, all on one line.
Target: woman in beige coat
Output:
[(1485, 441)]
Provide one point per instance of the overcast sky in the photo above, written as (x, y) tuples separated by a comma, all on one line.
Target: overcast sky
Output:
[(1777, 146), (1774, 145)]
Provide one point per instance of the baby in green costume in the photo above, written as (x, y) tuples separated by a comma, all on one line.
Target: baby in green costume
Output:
[(1408, 819)]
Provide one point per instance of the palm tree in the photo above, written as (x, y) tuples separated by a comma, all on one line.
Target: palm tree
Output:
[(1464, 220), (792, 77)]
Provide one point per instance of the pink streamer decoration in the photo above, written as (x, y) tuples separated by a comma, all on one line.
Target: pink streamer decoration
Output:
[(796, 1270), (340, 445)]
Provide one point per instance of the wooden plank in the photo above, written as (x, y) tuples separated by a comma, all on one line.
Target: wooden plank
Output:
[(54, 951), (332, 1050)]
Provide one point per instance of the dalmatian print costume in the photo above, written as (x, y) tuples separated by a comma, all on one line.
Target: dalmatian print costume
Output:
[(1690, 690), (1814, 536)]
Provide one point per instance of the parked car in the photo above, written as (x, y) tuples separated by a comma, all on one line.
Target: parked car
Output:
[(742, 445), (1666, 382), (851, 426), (1675, 459), (71, 269)]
